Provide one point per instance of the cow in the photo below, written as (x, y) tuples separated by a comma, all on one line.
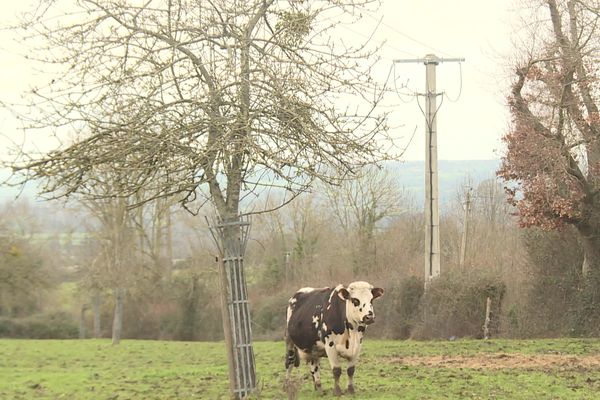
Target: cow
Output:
[(328, 322)]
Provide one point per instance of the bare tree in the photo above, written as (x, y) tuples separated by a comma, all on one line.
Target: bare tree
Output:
[(307, 228), (153, 226), (116, 238), (215, 100), (491, 203), (360, 204)]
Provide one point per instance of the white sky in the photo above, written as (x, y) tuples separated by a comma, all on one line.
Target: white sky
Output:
[(478, 30)]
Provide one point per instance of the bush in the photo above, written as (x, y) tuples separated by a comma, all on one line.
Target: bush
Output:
[(398, 309), (454, 305), (552, 304), (268, 316), (199, 303), (186, 307), (44, 326)]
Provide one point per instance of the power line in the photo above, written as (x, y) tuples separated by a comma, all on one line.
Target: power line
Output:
[(396, 30), (398, 91), (460, 87), (370, 37)]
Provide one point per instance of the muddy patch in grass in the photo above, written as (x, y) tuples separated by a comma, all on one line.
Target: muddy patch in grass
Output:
[(504, 361)]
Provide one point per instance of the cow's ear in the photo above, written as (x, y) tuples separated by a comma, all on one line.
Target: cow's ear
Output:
[(343, 294), (377, 292)]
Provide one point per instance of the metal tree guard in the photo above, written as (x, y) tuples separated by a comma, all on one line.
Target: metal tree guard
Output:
[(231, 238)]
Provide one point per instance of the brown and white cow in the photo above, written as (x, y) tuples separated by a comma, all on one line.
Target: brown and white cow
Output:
[(329, 322)]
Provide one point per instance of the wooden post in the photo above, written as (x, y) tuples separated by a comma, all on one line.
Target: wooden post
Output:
[(486, 325)]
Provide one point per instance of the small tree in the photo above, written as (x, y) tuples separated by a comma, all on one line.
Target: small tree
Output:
[(362, 203), (214, 99), (115, 234)]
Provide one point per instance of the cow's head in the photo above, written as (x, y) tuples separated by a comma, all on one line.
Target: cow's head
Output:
[(359, 298)]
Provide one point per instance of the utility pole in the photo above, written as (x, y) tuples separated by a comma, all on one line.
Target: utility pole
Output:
[(432, 216), (288, 267), (463, 243)]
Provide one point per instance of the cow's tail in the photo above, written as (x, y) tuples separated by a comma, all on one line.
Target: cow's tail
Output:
[(291, 353)]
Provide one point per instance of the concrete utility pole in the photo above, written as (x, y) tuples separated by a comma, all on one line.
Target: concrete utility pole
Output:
[(432, 216), (288, 267), (463, 243)]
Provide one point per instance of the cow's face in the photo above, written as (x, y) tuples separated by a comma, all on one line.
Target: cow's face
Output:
[(359, 298)]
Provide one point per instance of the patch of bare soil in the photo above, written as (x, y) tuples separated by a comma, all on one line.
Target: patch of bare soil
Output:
[(505, 361)]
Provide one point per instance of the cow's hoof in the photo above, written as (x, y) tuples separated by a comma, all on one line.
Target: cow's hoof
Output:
[(319, 389), (350, 389), (337, 391)]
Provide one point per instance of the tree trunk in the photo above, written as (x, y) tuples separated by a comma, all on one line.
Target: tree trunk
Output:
[(118, 316), (82, 321), (226, 316), (96, 309), (365, 256), (585, 266), (169, 243), (190, 309), (235, 307), (587, 316), (591, 252)]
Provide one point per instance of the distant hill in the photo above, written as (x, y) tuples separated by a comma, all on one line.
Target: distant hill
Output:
[(411, 176), (8, 193), (452, 174)]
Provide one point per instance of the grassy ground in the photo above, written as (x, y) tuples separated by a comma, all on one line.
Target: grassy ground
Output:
[(497, 369)]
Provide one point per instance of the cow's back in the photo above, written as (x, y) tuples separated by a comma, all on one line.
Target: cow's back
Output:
[(305, 310)]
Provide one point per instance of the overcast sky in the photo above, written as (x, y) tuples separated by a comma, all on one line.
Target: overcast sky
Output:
[(478, 30)]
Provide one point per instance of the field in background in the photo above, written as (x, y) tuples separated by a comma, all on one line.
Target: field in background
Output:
[(464, 369)]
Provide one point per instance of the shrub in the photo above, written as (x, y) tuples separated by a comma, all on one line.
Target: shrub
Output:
[(552, 304), (43, 326), (454, 305), (186, 307), (399, 309), (268, 315)]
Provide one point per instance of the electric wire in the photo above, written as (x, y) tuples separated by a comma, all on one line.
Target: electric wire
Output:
[(460, 87), (398, 91), (396, 49), (368, 14), (433, 117)]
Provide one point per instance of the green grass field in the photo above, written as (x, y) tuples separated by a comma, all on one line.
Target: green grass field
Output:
[(464, 369)]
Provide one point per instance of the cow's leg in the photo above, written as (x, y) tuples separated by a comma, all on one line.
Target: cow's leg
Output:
[(334, 361), (315, 367), (351, 365)]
